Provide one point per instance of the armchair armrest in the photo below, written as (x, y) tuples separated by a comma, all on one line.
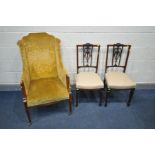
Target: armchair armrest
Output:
[(23, 89), (66, 71), (25, 83), (68, 82)]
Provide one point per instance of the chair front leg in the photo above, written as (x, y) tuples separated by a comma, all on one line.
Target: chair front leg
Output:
[(70, 93), (106, 96), (77, 96), (70, 103), (130, 96), (27, 111), (105, 92), (25, 102), (101, 96)]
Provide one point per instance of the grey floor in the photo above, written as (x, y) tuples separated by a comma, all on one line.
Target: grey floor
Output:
[(140, 115)]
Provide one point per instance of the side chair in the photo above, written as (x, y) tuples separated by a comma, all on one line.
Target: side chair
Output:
[(116, 77), (87, 77)]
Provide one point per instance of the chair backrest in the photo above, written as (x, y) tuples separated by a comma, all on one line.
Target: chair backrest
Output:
[(87, 57), (38, 52), (117, 56)]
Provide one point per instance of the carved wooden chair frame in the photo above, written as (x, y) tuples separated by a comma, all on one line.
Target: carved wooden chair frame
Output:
[(116, 59), (87, 50)]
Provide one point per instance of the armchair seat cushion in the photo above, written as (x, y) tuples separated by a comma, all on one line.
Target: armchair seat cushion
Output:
[(119, 80), (88, 80), (46, 90)]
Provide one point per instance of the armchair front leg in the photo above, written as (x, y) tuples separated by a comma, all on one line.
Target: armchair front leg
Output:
[(70, 93), (25, 102)]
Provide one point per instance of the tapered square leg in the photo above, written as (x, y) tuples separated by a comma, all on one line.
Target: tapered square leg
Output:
[(105, 93), (130, 96), (70, 103), (106, 96), (77, 98), (27, 112), (101, 97)]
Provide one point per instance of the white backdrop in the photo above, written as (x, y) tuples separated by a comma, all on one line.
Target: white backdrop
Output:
[(141, 65)]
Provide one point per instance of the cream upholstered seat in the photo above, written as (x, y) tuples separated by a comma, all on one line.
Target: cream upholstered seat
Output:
[(88, 80), (119, 80)]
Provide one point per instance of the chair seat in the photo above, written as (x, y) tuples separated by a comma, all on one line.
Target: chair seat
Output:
[(119, 80), (88, 80), (46, 90)]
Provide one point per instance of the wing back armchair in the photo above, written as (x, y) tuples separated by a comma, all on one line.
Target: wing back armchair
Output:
[(44, 78)]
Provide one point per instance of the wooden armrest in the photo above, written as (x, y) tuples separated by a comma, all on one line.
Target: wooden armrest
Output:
[(68, 83), (23, 89)]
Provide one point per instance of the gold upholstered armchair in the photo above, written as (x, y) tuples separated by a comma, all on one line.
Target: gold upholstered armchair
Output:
[(44, 78)]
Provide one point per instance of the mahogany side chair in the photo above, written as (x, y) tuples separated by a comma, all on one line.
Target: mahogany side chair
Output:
[(87, 77), (115, 67)]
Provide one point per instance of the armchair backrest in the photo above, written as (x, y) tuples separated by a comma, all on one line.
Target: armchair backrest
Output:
[(40, 55)]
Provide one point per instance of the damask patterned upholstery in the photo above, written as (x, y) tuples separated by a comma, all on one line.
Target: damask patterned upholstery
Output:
[(44, 75)]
